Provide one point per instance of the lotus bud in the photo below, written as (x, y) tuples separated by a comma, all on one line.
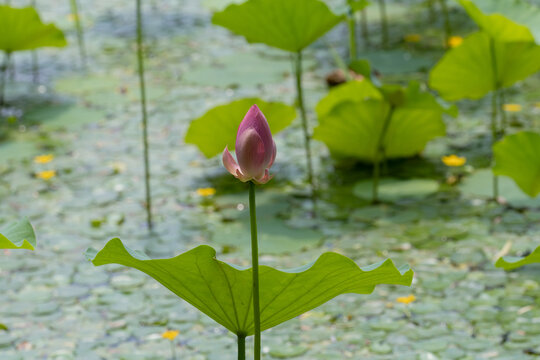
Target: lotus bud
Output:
[(255, 149)]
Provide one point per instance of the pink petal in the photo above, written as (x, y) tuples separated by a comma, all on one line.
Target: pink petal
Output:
[(273, 156), (266, 178), (229, 162), (251, 154), (255, 119)]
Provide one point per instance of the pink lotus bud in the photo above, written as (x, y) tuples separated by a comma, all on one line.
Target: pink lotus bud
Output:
[(255, 149)]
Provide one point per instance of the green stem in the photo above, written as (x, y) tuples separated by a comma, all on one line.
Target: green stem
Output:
[(502, 101), (173, 350), (255, 270), (80, 33), (140, 62), (384, 24), (352, 35), (3, 78), (432, 12), (494, 112), (364, 26), (35, 62), (447, 25), (241, 346), (307, 137), (380, 150)]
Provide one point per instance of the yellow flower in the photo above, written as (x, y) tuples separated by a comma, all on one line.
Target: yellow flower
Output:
[(453, 160), (454, 41), (170, 334), (512, 107), (206, 191), (412, 38), (46, 175), (44, 159), (72, 17), (406, 299)]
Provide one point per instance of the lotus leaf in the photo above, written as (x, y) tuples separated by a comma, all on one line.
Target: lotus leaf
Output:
[(217, 128), (283, 24), (22, 29), (223, 291), (518, 156)]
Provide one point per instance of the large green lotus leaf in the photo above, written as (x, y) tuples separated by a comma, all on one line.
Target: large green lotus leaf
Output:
[(466, 71), (508, 20), (22, 29), (217, 128), (19, 235), (352, 129), (353, 90), (284, 24), (513, 262), (223, 291), (518, 156)]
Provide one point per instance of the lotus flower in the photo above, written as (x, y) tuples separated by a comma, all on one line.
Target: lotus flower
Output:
[(255, 149)]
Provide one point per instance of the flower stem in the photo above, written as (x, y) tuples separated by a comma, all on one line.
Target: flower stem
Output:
[(503, 113), (364, 26), (447, 25), (305, 127), (380, 150), (494, 112), (241, 346), (173, 350), (140, 63), (80, 33), (384, 24), (3, 78), (255, 270), (352, 35)]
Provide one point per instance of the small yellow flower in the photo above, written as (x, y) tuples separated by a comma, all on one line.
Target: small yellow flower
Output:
[(454, 160), (512, 107), (46, 175), (406, 299), (206, 191), (72, 17), (412, 38), (170, 334), (44, 159), (454, 41)]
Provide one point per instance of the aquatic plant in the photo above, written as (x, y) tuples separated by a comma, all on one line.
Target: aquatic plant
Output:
[(247, 301)]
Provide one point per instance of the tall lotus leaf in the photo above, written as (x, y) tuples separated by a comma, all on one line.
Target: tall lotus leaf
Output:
[(283, 24), (518, 156), (514, 262), (19, 235), (508, 20), (22, 29), (223, 291), (466, 71), (217, 128), (350, 91), (351, 129)]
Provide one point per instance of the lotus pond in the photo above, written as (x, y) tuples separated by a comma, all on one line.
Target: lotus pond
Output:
[(380, 201)]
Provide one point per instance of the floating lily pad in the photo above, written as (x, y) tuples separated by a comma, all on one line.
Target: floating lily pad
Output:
[(284, 24), (63, 116), (223, 291), (19, 235), (480, 184), (217, 128), (518, 156), (395, 189), (22, 29), (514, 262)]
